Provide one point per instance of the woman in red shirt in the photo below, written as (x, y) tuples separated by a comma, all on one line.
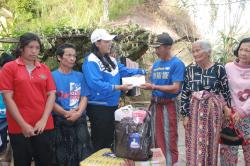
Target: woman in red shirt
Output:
[(29, 93)]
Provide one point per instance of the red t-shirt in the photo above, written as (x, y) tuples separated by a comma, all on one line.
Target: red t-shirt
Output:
[(29, 92)]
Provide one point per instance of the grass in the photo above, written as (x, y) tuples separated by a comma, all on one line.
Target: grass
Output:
[(122, 7), (48, 15)]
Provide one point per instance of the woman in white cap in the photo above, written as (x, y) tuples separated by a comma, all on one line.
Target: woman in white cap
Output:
[(103, 74)]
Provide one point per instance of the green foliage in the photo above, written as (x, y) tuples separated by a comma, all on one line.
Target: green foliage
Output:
[(52, 63), (48, 16), (133, 41), (224, 48), (24, 12)]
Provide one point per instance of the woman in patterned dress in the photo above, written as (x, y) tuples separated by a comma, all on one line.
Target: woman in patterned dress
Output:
[(239, 82), (204, 98)]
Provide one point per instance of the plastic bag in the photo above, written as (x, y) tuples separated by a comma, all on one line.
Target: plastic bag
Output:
[(123, 112), (133, 140)]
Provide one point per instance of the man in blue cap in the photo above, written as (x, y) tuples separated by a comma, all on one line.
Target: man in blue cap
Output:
[(166, 77)]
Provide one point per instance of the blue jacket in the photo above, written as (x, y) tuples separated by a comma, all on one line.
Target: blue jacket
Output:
[(101, 82)]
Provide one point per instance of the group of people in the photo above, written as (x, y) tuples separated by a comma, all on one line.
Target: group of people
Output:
[(46, 111), (211, 95)]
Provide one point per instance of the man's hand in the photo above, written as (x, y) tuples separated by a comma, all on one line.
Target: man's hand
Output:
[(28, 130), (185, 122), (73, 115), (68, 114), (147, 86)]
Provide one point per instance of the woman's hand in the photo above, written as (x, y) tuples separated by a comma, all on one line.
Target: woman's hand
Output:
[(40, 126), (124, 87), (28, 130), (236, 117), (185, 122), (227, 111)]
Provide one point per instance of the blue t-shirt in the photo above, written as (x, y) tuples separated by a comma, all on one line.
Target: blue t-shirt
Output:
[(69, 88), (166, 73), (2, 108)]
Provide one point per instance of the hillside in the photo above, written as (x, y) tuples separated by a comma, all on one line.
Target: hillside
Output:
[(161, 16)]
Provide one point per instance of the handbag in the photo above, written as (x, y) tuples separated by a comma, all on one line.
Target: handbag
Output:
[(231, 135), (133, 140)]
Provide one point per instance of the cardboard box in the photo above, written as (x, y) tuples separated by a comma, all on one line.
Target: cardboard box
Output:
[(158, 159)]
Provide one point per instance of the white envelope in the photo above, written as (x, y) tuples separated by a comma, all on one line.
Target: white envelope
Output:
[(134, 80)]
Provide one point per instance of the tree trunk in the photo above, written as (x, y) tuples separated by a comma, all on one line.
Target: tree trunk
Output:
[(105, 10)]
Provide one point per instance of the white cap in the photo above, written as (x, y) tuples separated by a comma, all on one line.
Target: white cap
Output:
[(101, 34)]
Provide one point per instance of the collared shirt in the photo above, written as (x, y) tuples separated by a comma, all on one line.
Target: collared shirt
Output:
[(29, 91)]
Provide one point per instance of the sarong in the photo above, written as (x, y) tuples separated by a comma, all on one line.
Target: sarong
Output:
[(229, 154), (164, 128), (203, 131), (72, 142)]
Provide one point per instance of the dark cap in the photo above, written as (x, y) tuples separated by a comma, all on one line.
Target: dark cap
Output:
[(162, 39)]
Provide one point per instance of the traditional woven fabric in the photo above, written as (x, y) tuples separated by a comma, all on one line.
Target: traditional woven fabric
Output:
[(229, 154), (71, 142), (244, 127), (164, 128), (203, 130)]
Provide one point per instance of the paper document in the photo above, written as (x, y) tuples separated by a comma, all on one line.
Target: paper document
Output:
[(134, 80)]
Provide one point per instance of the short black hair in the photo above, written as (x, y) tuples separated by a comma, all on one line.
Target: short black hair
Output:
[(245, 40), (24, 40), (60, 49), (5, 58)]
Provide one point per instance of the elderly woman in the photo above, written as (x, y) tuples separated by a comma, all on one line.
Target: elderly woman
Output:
[(239, 82), (204, 98)]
